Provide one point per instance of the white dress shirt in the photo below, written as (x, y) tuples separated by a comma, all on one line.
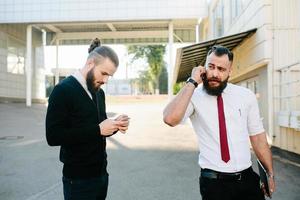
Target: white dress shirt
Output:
[(77, 74), (242, 120)]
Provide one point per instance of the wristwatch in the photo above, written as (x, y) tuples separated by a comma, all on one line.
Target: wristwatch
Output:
[(270, 175), (190, 80)]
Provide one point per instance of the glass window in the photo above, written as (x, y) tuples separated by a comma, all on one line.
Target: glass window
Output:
[(218, 19), (237, 6), (252, 84), (15, 56)]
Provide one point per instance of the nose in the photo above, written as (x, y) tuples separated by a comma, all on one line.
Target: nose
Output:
[(215, 73), (105, 79)]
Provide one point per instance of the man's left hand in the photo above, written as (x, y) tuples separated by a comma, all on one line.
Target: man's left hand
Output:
[(124, 123), (272, 184)]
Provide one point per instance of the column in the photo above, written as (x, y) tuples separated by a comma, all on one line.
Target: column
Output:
[(197, 33), (57, 63), (170, 70), (28, 64)]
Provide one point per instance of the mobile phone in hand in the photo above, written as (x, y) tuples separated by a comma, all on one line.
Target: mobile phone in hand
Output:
[(203, 76)]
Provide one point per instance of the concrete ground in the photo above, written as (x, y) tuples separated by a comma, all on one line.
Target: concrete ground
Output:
[(151, 161)]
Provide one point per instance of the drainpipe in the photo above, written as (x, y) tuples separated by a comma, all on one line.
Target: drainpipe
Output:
[(270, 83)]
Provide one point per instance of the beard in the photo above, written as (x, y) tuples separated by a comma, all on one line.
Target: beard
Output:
[(90, 79), (215, 91)]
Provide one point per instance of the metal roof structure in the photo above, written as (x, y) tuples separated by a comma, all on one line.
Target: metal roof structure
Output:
[(195, 55), (120, 32)]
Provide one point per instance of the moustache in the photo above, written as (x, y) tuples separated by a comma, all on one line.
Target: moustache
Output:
[(100, 83), (214, 79)]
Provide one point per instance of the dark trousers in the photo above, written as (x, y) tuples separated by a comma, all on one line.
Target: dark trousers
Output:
[(247, 188), (86, 189)]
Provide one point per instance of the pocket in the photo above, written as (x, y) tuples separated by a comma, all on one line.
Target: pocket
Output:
[(256, 177), (255, 181), (206, 185)]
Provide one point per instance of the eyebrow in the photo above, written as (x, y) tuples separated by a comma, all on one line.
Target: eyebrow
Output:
[(215, 65), (219, 67), (105, 73)]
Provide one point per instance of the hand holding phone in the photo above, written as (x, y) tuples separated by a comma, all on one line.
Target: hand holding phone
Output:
[(123, 123), (203, 76), (198, 74)]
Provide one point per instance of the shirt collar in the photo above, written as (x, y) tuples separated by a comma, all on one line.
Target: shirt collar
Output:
[(79, 77), (227, 89)]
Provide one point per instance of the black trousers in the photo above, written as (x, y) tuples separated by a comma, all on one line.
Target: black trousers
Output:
[(247, 188), (86, 189)]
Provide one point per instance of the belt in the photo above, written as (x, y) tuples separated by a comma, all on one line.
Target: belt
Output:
[(211, 174)]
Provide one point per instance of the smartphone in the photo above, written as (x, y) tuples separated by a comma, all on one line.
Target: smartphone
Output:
[(203, 76)]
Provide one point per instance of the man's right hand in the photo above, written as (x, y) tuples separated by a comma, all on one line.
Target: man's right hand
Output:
[(197, 73), (109, 126)]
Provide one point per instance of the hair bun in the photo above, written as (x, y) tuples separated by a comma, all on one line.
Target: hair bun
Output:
[(95, 43)]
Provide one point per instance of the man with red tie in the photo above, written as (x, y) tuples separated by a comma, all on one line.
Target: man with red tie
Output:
[(224, 117)]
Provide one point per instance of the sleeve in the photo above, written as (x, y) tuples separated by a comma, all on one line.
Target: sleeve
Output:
[(102, 107), (58, 131), (254, 121), (101, 102), (189, 111)]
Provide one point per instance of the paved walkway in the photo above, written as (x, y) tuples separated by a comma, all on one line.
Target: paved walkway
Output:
[(152, 161)]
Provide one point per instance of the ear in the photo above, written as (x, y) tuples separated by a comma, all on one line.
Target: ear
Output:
[(90, 63)]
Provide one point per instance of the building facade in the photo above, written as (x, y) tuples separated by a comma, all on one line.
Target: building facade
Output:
[(27, 26), (12, 63)]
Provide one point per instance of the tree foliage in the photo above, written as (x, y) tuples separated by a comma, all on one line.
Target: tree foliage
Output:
[(154, 54)]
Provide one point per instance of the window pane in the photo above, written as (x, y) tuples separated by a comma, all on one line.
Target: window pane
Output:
[(15, 56)]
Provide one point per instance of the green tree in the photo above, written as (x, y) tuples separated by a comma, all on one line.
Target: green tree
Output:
[(163, 80), (154, 54), (144, 82), (177, 87)]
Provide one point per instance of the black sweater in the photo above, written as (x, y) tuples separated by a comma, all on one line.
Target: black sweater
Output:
[(72, 122)]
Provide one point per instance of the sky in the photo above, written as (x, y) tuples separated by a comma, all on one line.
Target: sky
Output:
[(75, 57), (71, 56)]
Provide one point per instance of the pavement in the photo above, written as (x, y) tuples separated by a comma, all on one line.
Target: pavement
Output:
[(151, 161)]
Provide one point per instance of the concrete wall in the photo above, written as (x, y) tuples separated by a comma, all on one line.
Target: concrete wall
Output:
[(14, 85)]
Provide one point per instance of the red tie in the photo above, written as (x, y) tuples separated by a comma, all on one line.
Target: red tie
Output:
[(223, 134)]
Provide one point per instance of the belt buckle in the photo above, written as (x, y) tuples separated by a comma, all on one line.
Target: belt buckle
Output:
[(239, 176)]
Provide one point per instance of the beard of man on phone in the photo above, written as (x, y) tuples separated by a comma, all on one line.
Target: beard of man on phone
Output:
[(215, 91)]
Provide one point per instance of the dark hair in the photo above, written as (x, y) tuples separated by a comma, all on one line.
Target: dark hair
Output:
[(220, 51), (95, 43), (96, 49)]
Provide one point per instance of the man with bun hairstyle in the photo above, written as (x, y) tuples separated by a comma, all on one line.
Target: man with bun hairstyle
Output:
[(76, 121)]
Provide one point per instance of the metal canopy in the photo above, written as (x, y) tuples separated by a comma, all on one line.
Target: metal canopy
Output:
[(194, 55)]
